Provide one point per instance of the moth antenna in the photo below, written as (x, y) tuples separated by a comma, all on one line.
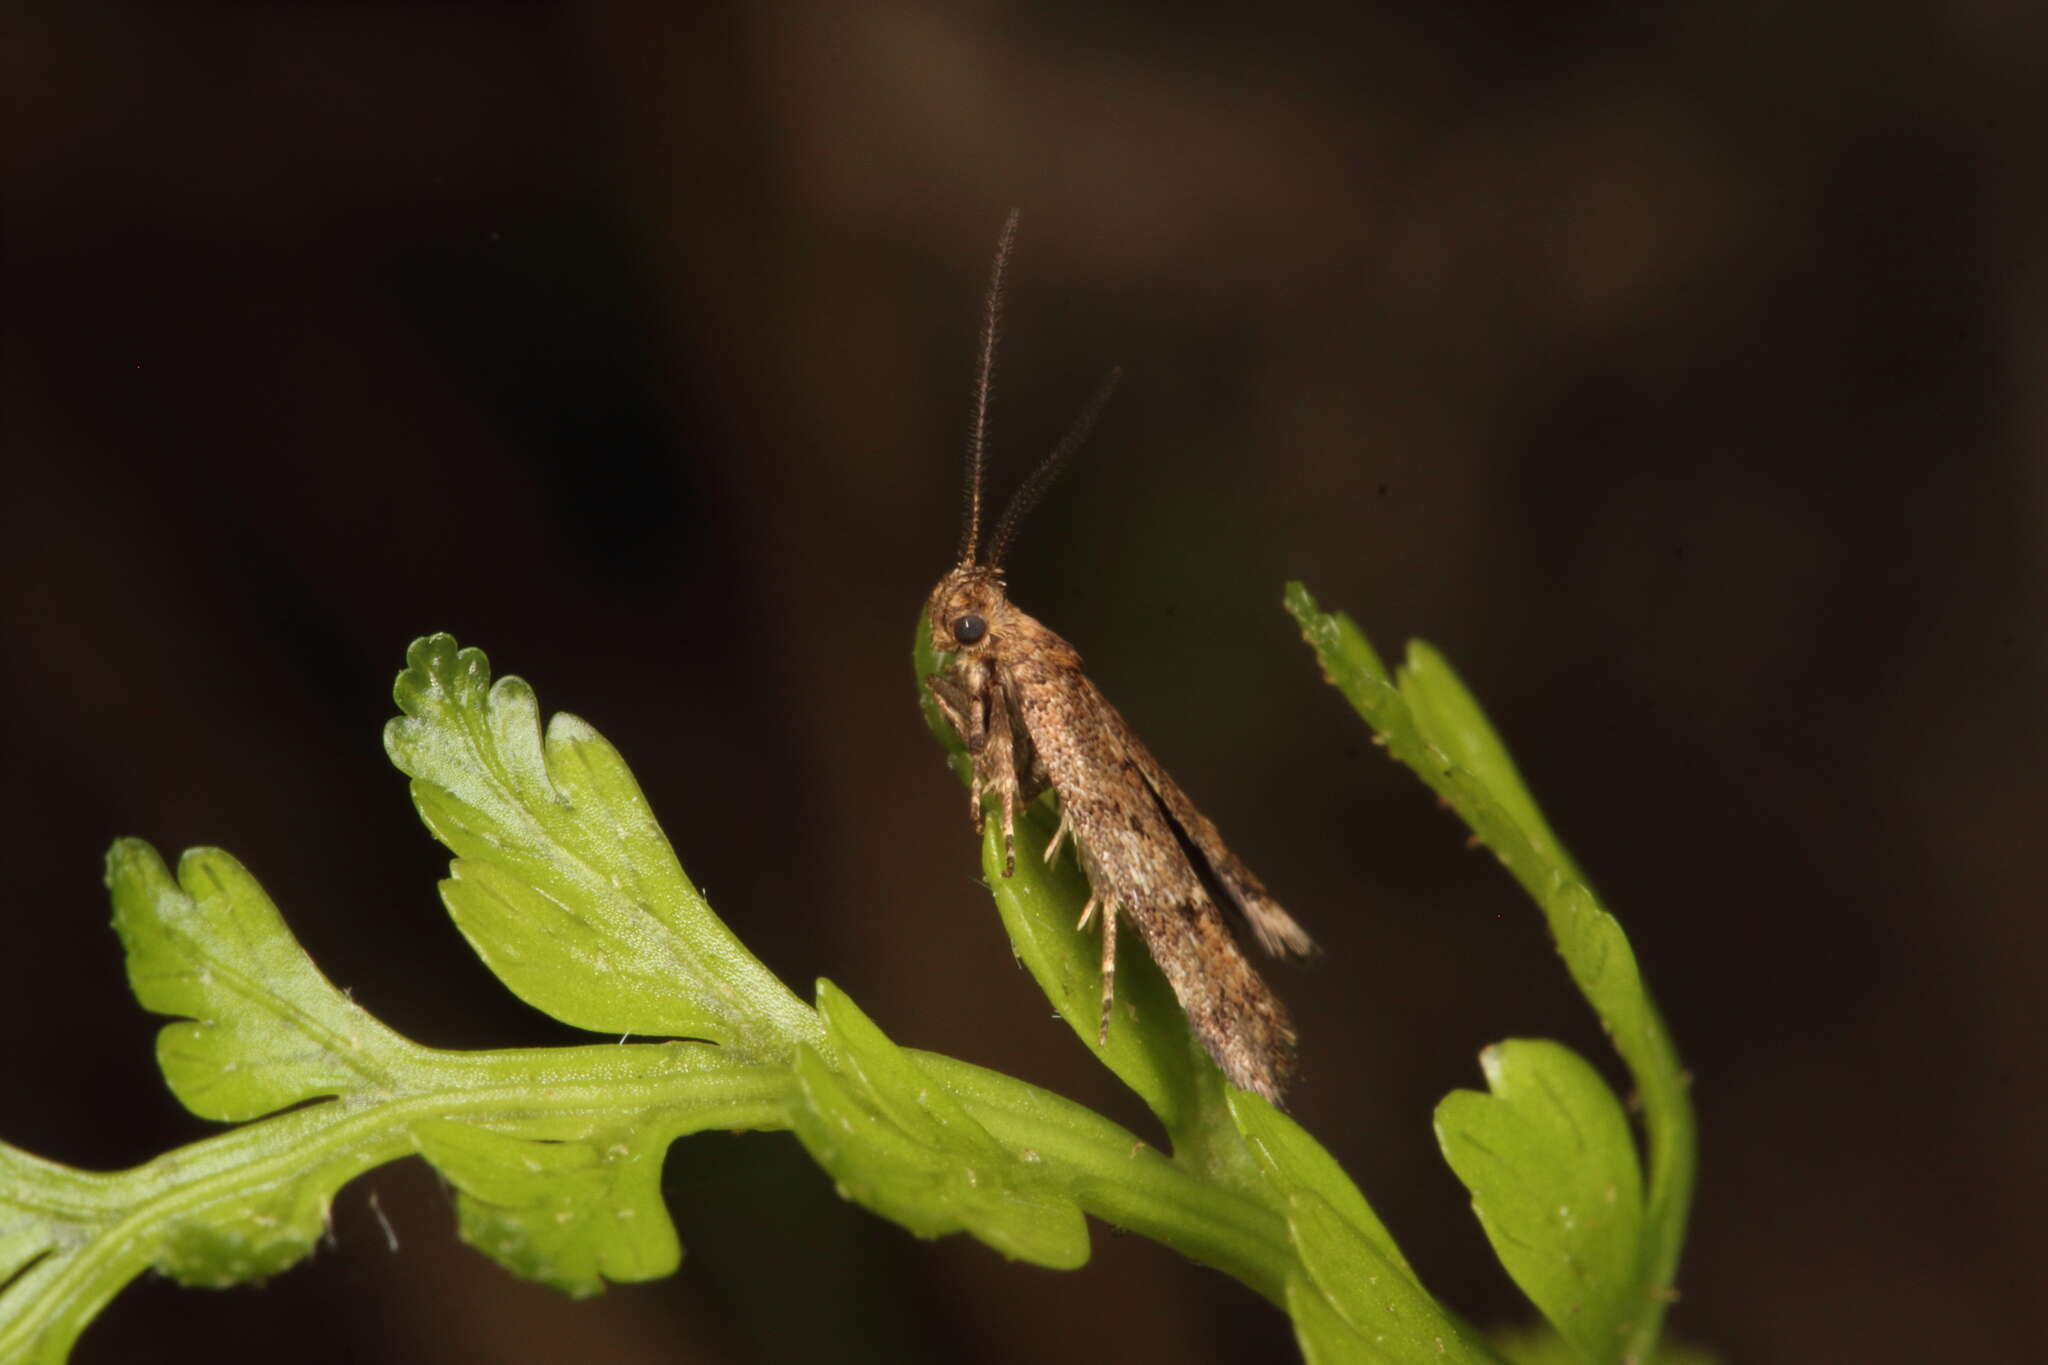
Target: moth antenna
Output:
[(1033, 488), (984, 379)]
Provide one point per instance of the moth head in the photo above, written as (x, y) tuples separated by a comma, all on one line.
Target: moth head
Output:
[(966, 609)]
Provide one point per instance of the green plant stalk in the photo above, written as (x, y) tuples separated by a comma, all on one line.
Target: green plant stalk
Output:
[(1428, 721), (1112, 1174), (1124, 1181), (131, 1208), (567, 888)]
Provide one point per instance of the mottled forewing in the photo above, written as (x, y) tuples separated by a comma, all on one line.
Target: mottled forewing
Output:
[(1135, 861), (1274, 928)]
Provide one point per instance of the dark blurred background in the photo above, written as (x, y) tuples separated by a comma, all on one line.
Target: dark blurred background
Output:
[(1676, 368)]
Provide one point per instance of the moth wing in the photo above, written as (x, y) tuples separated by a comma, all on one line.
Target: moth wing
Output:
[(1128, 847), (1274, 928), (1131, 846)]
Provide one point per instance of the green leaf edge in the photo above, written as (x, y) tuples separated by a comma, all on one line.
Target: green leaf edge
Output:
[(1426, 719), (1551, 1164), (69, 1239), (1186, 1200)]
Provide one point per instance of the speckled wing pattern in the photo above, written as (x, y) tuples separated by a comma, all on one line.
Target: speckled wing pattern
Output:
[(1145, 850)]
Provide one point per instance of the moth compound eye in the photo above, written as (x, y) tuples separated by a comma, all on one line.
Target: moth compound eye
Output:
[(969, 628)]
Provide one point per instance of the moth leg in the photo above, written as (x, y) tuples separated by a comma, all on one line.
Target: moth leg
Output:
[(957, 703), (998, 759), (1059, 836), (1108, 969), (1087, 913)]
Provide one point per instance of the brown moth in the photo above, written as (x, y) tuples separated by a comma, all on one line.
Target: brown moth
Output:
[(1030, 718)]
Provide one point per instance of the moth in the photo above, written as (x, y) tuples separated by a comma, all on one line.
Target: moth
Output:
[(1016, 694)]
